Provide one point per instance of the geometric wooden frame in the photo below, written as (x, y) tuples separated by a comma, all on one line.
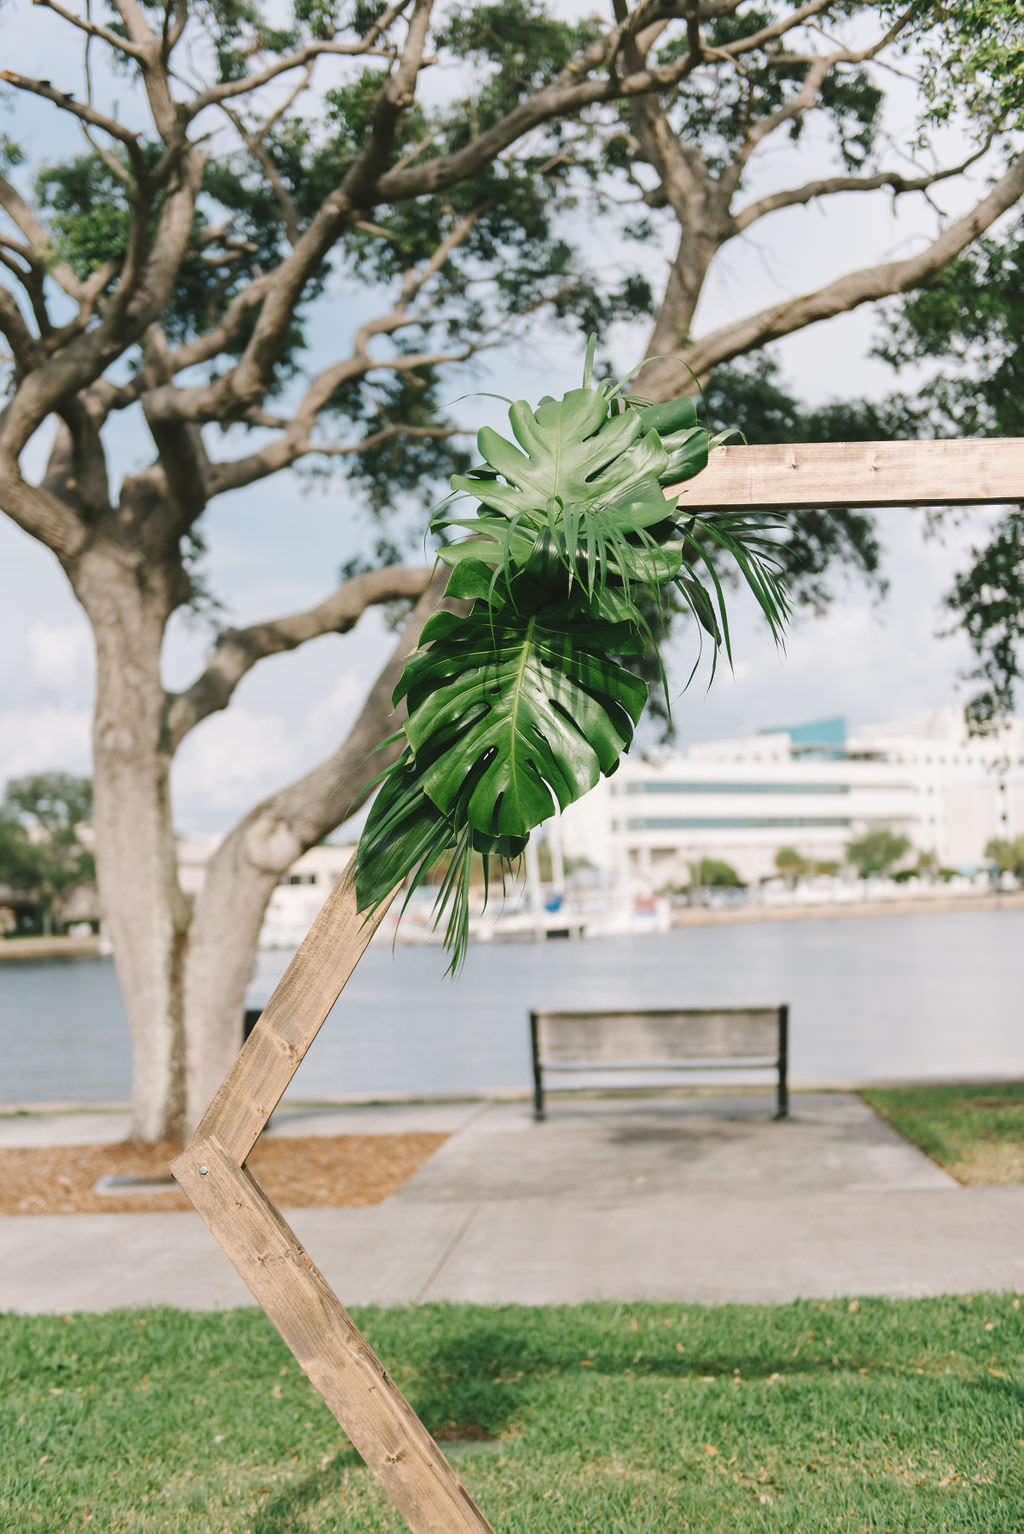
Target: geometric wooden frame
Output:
[(212, 1168), (338, 1360)]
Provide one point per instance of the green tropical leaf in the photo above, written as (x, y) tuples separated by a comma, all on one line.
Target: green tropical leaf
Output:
[(518, 715), (571, 452)]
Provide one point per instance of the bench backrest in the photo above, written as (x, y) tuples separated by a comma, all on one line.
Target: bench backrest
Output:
[(720, 1033)]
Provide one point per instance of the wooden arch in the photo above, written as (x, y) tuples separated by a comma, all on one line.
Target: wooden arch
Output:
[(212, 1169)]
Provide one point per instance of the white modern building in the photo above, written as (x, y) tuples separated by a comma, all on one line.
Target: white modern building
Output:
[(813, 787)]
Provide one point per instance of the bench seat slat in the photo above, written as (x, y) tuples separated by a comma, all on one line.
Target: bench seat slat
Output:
[(736, 1063)]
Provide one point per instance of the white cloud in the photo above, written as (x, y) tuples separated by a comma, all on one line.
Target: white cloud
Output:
[(38, 740), (333, 716), (58, 654), (230, 762)]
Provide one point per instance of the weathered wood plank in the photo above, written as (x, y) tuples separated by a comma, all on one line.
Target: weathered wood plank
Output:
[(290, 1022), (625, 1039), (338, 1360), (964, 472)]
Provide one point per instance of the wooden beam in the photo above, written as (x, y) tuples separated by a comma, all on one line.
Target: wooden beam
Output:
[(334, 1355), (966, 472), (290, 1022)]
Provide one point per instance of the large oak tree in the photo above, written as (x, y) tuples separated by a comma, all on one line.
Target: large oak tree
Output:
[(168, 270)]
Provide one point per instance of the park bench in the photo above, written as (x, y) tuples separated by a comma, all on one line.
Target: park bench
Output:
[(728, 1039)]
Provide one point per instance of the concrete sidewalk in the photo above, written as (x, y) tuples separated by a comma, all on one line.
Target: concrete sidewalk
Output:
[(688, 1199)]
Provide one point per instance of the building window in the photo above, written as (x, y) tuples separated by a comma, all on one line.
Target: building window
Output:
[(667, 786), (734, 822)]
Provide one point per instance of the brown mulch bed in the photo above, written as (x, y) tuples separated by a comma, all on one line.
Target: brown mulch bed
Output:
[(297, 1172)]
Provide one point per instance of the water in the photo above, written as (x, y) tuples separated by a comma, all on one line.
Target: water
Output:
[(935, 995)]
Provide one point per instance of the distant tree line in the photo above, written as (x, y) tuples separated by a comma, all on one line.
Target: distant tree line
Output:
[(44, 861), (877, 853)]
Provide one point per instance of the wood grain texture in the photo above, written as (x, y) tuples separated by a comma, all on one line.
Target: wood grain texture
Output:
[(290, 1022), (965, 472), (331, 1350), (334, 1354), (665, 1038)]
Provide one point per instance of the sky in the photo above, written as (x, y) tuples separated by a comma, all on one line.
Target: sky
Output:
[(276, 548)]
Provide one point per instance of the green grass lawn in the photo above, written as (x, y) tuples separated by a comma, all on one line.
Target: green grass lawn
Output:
[(895, 1417), (976, 1132)]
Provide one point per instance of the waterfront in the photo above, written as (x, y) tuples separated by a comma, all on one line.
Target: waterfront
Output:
[(915, 996)]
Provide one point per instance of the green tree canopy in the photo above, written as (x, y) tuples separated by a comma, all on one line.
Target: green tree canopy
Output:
[(877, 852), (713, 873), (1007, 856), (791, 864), (17, 860), (41, 820)]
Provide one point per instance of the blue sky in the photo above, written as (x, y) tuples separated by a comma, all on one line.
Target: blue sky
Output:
[(275, 548)]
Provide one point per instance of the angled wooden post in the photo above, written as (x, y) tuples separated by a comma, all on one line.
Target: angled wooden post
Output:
[(333, 1353)]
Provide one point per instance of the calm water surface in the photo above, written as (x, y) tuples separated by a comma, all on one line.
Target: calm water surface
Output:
[(900, 996)]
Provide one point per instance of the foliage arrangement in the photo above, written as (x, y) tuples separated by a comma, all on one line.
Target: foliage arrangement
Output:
[(518, 706)]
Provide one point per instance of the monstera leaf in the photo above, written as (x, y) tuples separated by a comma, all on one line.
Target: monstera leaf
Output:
[(517, 708), (574, 454), (518, 715)]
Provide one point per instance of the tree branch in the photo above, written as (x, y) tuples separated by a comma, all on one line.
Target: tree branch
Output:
[(238, 650), (817, 72), (147, 277), (213, 342), (77, 470), (39, 513), (290, 448), (854, 288), (179, 444), (26, 348), (84, 113), (565, 96), (248, 381), (334, 790), (38, 237), (204, 402), (827, 186), (367, 181), (19, 260), (256, 146), (216, 95), (153, 61), (92, 29), (773, 30)]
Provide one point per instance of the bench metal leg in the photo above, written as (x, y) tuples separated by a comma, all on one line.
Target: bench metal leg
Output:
[(538, 1075), (783, 1095)]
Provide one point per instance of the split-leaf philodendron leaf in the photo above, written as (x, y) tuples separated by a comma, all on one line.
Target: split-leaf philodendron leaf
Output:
[(516, 709)]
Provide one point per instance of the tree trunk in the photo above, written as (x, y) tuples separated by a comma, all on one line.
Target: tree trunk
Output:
[(667, 374), (145, 910), (241, 875)]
